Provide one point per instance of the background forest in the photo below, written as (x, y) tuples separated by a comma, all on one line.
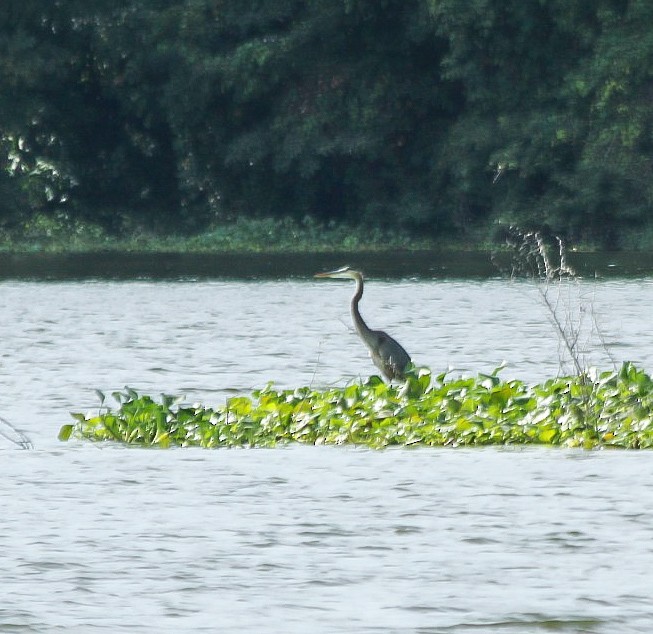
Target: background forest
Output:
[(176, 115)]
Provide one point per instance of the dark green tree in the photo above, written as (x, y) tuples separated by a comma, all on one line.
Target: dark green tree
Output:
[(177, 113)]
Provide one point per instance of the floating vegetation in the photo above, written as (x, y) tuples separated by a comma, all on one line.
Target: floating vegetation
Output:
[(609, 409)]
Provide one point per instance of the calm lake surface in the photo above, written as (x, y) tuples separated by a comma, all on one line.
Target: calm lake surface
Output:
[(311, 539)]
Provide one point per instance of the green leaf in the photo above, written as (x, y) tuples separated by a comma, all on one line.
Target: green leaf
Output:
[(65, 432), (547, 435)]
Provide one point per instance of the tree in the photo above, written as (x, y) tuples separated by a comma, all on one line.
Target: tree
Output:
[(176, 113)]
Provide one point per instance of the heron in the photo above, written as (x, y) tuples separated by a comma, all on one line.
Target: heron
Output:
[(387, 354)]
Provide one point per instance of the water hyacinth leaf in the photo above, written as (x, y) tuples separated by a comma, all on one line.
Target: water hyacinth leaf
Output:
[(239, 405), (65, 432), (547, 435), (489, 380), (596, 408), (424, 379)]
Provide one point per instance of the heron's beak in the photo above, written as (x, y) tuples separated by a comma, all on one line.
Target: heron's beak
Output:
[(341, 272)]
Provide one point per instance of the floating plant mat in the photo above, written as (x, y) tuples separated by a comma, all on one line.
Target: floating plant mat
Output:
[(609, 409)]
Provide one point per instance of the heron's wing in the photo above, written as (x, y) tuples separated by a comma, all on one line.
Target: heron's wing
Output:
[(390, 357)]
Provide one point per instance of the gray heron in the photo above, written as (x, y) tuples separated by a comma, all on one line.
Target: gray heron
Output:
[(387, 354)]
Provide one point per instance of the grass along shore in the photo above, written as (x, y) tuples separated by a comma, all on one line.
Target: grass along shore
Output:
[(60, 234)]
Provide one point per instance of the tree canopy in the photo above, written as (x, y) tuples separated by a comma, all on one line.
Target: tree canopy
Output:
[(180, 113)]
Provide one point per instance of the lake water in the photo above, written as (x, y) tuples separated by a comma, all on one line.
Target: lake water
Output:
[(311, 539)]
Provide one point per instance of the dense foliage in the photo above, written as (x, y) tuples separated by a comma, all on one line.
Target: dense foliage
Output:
[(181, 114), (609, 409)]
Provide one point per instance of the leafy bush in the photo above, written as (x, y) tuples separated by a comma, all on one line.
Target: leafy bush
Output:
[(608, 409)]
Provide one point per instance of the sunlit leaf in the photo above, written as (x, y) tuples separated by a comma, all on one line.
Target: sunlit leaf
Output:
[(584, 411), (65, 432)]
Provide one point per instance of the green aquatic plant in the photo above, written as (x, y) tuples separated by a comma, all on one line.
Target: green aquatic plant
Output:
[(608, 409)]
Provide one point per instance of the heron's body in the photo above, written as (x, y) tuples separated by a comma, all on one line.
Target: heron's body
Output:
[(387, 354)]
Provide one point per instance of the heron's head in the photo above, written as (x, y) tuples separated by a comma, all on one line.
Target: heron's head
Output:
[(344, 273)]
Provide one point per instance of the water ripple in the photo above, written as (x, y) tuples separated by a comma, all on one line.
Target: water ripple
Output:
[(297, 539)]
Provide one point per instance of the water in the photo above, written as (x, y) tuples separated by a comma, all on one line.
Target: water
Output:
[(319, 539), (425, 264)]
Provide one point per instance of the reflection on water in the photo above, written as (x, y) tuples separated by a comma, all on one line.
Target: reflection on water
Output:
[(396, 265), (305, 538)]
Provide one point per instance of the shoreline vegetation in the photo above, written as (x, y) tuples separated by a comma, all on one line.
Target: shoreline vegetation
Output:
[(61, 234), (594, 410)]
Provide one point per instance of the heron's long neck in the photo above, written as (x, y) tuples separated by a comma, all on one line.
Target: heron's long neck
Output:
[(360, 324)]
